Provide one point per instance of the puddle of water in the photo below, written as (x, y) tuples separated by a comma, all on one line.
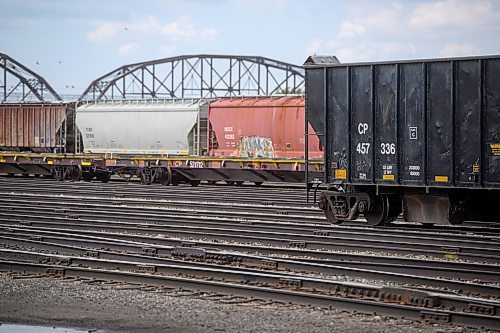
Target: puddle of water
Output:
[(8, 328)]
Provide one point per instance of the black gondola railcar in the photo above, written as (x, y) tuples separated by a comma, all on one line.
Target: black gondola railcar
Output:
[(420, 137)]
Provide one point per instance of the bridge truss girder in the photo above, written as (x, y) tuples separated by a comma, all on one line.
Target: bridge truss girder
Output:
[(20, 84), (197, 76)]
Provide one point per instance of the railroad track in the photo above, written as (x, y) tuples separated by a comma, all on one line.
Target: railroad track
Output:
[(285, 200), (110, 248), (245, 194), (303, 215), (410, 303), (248, 250), (153, 220), (51, 240)]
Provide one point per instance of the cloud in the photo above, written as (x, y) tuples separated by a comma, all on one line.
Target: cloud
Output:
[(315, 46), (105, 31), (453, 14), (355, 37), (349, 29), (378, 30), (370, 51), (168, 50), (181, 29), (127, 48), (20, 22), (387, 19), (259, 4), (362, 50), (147, 24), (458, 50)]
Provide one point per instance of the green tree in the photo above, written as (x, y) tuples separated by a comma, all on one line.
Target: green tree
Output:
[(289, 91)]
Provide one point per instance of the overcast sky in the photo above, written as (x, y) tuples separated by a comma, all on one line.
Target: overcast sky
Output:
[(72, 42)]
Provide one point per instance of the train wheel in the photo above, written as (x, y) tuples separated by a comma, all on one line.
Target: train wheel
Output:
[(456, 214), (395, 208), (88, 176), (176, 179), (229, 182), (379, 215), (76, 173), (239, 183), (145, 178), (103, 176), (194, 183), (166, 177), (57, 174), (258, 183), (331, 218)]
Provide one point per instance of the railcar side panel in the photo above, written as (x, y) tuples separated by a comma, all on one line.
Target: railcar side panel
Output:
[(411, 127), (37, 129), (420, 123), (386, 137), (315, 101), (32, 126), (138, 127), (2, 128), (440, 123), (361, 124), (260, 127), (467, 123), (431, 127), (338, 157), (492, 121)]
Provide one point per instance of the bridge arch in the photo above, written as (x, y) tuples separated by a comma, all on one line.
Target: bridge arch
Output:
[(20, 84), (197, 76)]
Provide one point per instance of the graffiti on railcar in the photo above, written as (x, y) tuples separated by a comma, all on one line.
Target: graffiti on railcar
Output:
[(255, 146)]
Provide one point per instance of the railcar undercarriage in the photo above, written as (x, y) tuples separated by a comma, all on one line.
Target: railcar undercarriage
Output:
[(383, 205)]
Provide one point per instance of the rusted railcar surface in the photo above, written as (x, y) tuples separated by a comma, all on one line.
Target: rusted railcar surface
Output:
[(34, 127), (265, 127)]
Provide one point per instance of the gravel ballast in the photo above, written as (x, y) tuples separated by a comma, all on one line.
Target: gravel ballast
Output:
[(105, 308)]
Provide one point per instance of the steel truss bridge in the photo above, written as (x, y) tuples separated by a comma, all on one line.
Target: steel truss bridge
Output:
[(20, 84), (197, 76)]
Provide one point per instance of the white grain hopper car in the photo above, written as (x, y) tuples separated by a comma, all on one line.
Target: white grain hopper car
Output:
[(158, 127)]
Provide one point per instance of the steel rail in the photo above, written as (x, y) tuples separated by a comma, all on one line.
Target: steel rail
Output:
[(137, 198), (115, 211), (280, 212), (211, 258), (210, 198), (417, 297), (211, 192), (269, 199), (141, 244), (317, 242), (119, 207), (146, 205), (368, 302), (119, 216)]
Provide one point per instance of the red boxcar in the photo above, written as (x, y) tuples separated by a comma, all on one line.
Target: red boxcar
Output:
[(34, 127), (260, 127)]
